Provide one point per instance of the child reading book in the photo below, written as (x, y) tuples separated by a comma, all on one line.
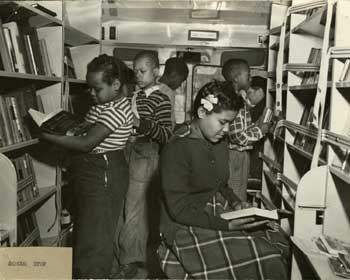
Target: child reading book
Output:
[(196, 241), (99, 170)]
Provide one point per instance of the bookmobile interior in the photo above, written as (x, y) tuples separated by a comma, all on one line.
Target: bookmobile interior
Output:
[(299, 53)]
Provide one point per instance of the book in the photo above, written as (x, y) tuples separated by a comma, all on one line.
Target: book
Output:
[(59, 122), (4, 51), (18, 48), (338, 268), (333, 246), (251, 212)]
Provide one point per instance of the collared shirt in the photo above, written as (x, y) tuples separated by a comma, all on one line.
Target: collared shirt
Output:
[(243, 132), (153, 108), (116, 116)]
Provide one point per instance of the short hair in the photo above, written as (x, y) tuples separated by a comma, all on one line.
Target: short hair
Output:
[(151, 55), (233, 67), (111, 67), (224, 91), (177, 66), (175, 72)]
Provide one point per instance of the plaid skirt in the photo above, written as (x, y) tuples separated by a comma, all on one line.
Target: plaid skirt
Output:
[(198, 253)]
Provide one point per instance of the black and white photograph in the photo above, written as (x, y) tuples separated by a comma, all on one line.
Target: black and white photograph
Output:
[(175, 139)]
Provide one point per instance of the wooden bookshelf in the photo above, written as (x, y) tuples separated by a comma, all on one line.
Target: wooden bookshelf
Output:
[(270, 162), (40, 73), (31, 238), (44, 194), (12, 80), (74, 37), (77, 85), (23, 10), (311, 25), (340, 174), (343, 85), (304, 153), (318, 262), (18, 146), (306, 89)]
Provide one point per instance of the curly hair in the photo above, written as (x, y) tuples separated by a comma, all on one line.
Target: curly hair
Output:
[(225, 94), (112, 68), (152, 56)]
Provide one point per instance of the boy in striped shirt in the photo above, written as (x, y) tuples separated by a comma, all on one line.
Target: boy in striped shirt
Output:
[(98, 169), (152, 128)]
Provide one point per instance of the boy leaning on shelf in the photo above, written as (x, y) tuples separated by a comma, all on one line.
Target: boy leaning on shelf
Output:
[(99, 170), (243, 133)]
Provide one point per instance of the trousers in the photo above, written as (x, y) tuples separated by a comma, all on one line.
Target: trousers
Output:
[(132, 237), (239, 162), (100, 183)]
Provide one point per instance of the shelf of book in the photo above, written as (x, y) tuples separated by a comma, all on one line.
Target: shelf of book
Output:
[(50, 241), (302, 8), (20, 10), (304, 153), (338, 140), (297, 128), (341, 174), (312, 25), (18, 146), (270, 162), (272, 178), (265, 201), (287, 182), (34, 235), (276, 45), (44, 194), (318, 261), (77, 85), (307, 88), (275, 31), (74, 37), (12, 80), (343, 85), (301, 67)]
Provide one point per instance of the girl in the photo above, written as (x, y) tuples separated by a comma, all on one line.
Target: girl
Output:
[(197, 243), (99, 170)]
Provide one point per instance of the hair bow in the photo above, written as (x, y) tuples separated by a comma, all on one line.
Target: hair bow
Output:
[(208, 102)]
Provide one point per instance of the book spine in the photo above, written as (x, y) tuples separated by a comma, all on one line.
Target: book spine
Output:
[(31, 59), (4, 52), (10, 49), (17, 45), (18, 119), (6, 119)]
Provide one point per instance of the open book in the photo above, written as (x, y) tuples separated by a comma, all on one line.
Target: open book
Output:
[(251, 212), (59, 122)]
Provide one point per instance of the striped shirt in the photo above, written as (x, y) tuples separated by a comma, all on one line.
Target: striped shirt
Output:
[(116, 116), (154, 110)]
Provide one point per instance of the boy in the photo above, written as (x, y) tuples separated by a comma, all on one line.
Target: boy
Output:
[(243, 133), (175, 72), (153, 127)]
